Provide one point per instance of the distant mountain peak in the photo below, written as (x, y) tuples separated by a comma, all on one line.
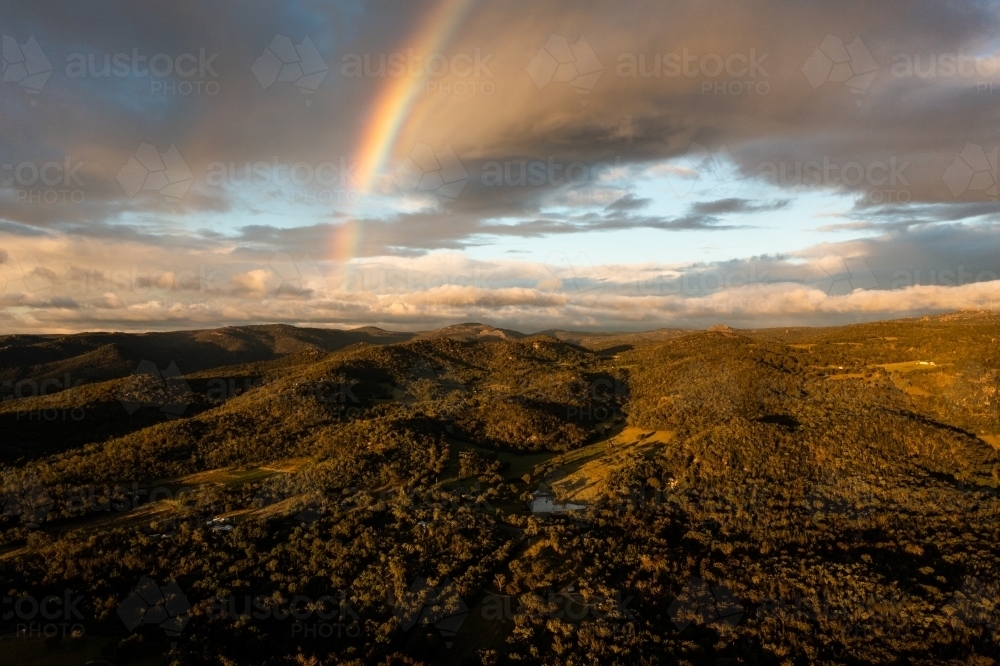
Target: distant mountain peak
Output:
[(473, 331)]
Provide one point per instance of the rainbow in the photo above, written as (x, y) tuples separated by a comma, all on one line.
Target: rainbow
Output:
[(393, 108)]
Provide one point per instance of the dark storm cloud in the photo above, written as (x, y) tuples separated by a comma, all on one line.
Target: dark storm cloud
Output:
[(946, 255), (929, 213), (108, 93), (648, 112), (903, 217), (628, 202), (913, 146), (638, 111), (735, 205), (942, 255), (18, 229)]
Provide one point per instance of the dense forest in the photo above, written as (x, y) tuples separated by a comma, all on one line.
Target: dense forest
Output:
[(479, 496)]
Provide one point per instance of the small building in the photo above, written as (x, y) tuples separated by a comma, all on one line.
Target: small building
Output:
[(543, 502)]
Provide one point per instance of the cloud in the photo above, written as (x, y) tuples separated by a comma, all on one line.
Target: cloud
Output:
[(252, 283), (639, 115), (21, 229), (628, 202), (738, 131), (734, 205), (124, 284)]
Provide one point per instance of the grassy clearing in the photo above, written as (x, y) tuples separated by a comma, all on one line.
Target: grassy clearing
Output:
[(909, 366), (137, 517), (580, 476), (12, 552), (164, 502), (283, 509), (228, 476)]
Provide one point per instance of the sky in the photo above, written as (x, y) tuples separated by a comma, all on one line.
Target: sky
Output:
[(570, 164)]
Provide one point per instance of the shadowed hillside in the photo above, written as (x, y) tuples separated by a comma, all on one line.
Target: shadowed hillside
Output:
[(96, 356)]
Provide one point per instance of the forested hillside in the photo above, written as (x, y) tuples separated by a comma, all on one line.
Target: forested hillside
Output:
[(482, 496)]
